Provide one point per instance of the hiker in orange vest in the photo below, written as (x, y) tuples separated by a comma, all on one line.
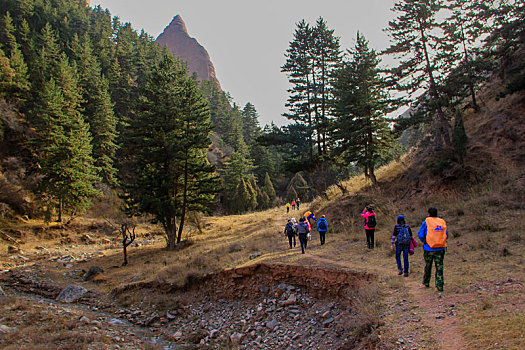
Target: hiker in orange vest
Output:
[(293, 205), (433, 233)]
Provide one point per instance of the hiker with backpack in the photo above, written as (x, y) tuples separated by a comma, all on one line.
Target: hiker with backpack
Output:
[(287, 208), (322, 228), (401, 239), (309, 216), (293, 205), (433, 233), (303, 230), (370, 225), (289, 231), (297, 202)]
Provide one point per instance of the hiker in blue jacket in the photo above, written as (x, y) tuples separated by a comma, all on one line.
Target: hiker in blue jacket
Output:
[(322, 228), (434, 234)]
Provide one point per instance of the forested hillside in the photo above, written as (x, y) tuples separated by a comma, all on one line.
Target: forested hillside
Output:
[(90, 107), (82, 94)]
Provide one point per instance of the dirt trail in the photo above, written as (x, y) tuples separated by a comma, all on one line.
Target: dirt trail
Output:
[(422, 305)]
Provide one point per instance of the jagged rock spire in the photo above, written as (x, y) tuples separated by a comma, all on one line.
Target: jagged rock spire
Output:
[(188, 49)]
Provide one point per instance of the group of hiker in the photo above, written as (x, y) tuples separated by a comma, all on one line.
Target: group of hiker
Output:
[(303, 230), (432, 233), (293, 204)]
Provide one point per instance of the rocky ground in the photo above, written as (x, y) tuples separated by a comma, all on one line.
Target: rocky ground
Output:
[(260, 306)]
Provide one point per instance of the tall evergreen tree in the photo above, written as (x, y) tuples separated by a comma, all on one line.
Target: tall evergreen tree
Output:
[(250, 123), (299, 68), (415, 35), (168, 139), (361, 128), (327, 57), (65, 144)]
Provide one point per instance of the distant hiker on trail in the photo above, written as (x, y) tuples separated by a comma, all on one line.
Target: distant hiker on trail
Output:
[(401, 239), (298, 202), (303, 230), (289, 231), (370, 225), (293, 205), (287, 208), (322, 228), (433, 233)]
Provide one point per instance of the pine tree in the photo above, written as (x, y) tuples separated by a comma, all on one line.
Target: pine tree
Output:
[(268, 188), (168, 140), (48, 52), (299, 68), (327, 57), (97, 106), (361, 129), (415, 38), (250, 124), (7, 36), (65, 144)]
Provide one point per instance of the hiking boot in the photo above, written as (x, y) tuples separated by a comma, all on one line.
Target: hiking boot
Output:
[(406, 274), (439, 289), (426, 285), (400, 272)]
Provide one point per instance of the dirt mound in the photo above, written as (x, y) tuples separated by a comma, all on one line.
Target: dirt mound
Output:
[(257, 280), (320, 282)]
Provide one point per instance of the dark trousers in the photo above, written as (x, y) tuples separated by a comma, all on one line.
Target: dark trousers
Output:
[(402, 248), (322, 235), (287, 209), (297, 206), (290, 237), (438, 258), (304, 242), (370, 237)]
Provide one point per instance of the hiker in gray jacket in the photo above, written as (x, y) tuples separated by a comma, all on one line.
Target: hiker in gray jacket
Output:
[(303, 230)]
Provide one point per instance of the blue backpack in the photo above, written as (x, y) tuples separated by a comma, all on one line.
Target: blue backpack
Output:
[(403, 236)]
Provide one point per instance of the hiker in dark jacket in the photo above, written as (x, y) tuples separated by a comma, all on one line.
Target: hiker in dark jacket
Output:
[(370, 225), (289, 231), (298, 203), (303, 230), (401, 240), (322, 228)]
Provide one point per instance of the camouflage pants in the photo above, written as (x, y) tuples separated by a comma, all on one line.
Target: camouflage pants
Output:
[(438, 258)]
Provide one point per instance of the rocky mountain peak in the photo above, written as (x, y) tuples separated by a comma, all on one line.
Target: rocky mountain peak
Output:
[(188, 49)]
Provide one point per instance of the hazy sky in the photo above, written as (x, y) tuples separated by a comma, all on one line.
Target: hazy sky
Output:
[(247, 39)]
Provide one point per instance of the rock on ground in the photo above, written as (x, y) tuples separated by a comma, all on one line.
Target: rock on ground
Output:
[(71, 294)]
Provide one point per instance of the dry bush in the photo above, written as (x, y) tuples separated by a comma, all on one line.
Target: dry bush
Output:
[(365, 320)]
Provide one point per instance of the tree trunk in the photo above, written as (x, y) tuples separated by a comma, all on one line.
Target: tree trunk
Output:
[(440, 126), (125, 253), (184, 201), (171, 232), (310, 126), (370, 155), (60, 209)]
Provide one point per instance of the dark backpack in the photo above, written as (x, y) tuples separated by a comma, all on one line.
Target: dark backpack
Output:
[(403, 236), (371, 221), (289, 229), (322, 225)]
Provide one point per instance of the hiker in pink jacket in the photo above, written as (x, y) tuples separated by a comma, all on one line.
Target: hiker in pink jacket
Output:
[(370, 225)]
